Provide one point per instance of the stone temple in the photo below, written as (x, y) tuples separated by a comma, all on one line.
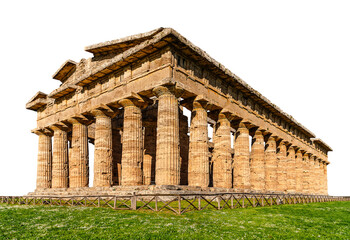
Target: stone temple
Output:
[(128, 101)]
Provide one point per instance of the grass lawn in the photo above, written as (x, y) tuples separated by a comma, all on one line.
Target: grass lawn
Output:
[(310, 221)]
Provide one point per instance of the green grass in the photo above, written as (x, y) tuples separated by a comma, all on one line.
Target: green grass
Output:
[(303, 221)]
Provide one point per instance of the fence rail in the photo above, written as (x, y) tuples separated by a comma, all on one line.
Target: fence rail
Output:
[(177, 203)]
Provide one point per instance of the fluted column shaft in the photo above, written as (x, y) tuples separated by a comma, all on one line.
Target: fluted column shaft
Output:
[(318, 179), (313, 175), (44, 170), (168, 147), (103, 156), (299, 172), (198, 162), (132, 153), (306, 174), (325, 190), (241, 168), (222, 160), (149, 157), (257, 166), (291, 170), (282, 167), (79, 161), (60, 159), (117, 156), (271, 164)]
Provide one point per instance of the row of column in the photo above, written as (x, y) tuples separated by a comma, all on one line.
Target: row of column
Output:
[(267, 167)]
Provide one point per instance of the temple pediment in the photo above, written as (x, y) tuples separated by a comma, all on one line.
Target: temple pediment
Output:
[(37, 101), (65, 71)]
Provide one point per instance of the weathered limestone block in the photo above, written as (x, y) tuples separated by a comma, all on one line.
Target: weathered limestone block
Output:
[(198, 165), (60, 159), (291, 170), (117, 156), (306, 173), (299, 171), (132, 153), (168, 149), (103, 156), (44, 170), (184, 148), (271, 164), (241, 168), (282, 167), (257, 160), (79, 157), (222, 159)]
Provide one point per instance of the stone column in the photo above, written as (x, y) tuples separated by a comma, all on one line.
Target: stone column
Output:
[(306, 173), (291, 170), (325, 179), (60, 158), (271, 164), (184, 147), (313, 178), (168, 149), (282, 167), (79, 161), (132, 153), (149, 157), (257, 163), (44, 170), (222, 160), (317, 177), (103, 156), (198, 161), (241, 168), (299, 171), (117, 156)]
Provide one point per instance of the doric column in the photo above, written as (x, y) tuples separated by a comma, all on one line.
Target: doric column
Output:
[(168, 149), (222, 160), (60, 158), (325, 190), (299, 171), (271, 164), (149, 157), (184, 147), (241, 168), (318, 179), (198, 161), (117, 156), (306, 173), (44, 170), (103, 156), (282, 167), (79, 157), (313, 177), (257, 162), (132, 153), (291, 170)]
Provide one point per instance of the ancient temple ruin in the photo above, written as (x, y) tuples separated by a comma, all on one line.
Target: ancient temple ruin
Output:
[(128, 100)]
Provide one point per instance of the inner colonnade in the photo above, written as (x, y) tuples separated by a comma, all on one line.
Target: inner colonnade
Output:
[(131, 109)]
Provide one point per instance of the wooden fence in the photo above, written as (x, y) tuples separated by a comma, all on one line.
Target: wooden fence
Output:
[(178, 204)]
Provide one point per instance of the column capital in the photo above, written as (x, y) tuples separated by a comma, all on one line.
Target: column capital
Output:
[(134, 100), (105, 111), (81, 119), (60, 126), (168, 90)]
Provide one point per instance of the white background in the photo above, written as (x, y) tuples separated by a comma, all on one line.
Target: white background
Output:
[(296, 53)]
